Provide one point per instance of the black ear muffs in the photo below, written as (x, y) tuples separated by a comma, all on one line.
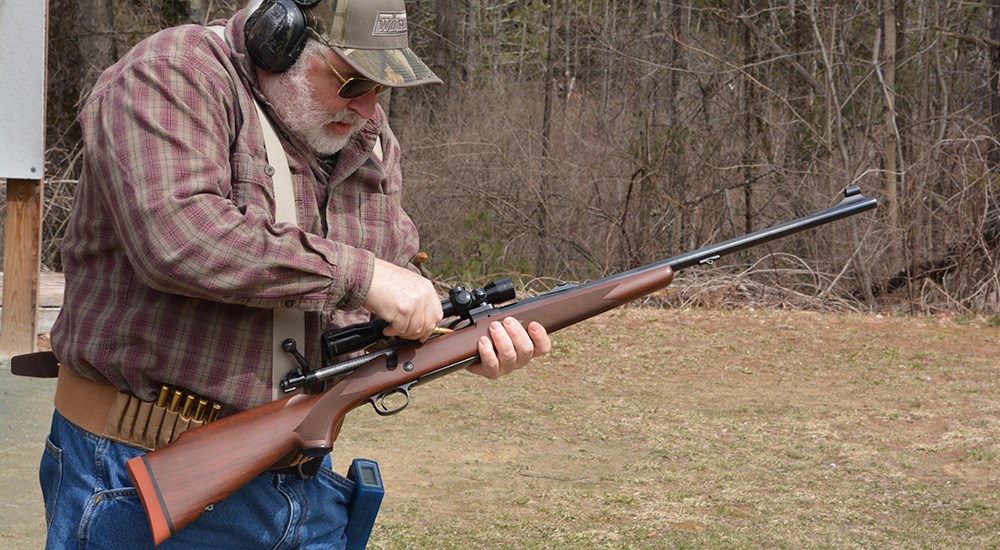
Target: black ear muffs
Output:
[(276, 32)]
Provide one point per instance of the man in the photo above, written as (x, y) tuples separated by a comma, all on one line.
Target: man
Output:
[(176, 268)]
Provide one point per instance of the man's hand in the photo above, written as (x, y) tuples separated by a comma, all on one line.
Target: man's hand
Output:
[(510, 347), (405, 300)]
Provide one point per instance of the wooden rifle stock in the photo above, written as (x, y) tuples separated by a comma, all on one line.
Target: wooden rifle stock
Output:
[(235, 449)]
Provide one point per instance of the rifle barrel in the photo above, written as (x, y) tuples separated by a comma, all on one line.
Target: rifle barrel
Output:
[(853, 203)]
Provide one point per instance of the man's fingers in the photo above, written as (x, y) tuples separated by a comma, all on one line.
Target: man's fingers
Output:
[(416, 327), (524, 347), (407, 301), (540, 339), (488, 364), (509, 347), (503, 343)]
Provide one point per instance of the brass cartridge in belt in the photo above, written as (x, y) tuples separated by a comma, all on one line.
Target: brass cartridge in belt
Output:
[(199, 412), (188, 406), (161, 400), (175, 401), (213, 415)]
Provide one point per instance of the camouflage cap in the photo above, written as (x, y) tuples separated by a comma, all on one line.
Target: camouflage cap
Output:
[(371, 36)]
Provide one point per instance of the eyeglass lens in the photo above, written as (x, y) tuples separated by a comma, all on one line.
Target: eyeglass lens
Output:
[(355, 87)]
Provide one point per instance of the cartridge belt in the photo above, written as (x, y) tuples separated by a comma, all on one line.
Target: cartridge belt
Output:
[(103, 410), (120, 416)]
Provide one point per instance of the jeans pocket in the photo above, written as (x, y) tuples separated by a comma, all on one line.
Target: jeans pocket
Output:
[(50, 477), (326, 510), (115, 519), (339, 488)]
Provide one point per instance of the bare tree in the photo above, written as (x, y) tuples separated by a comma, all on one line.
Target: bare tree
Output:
[(992, 226), (81, 46), (890, 168)]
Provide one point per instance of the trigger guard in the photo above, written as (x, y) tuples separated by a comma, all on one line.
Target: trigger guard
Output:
[(378, 401)]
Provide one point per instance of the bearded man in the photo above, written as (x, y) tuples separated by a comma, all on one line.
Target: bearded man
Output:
[(186, 257)]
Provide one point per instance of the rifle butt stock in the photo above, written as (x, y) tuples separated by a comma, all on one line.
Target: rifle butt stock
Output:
[(207, 464)]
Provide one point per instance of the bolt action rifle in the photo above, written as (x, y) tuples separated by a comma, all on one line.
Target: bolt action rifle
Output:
[(237, 448)]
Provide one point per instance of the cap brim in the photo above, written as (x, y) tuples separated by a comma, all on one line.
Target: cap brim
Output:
[(394, 68)]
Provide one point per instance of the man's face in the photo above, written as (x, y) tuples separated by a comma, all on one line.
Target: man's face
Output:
[(305, 98)]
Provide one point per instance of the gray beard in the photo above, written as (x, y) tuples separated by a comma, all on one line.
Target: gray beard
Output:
[(291, 95)]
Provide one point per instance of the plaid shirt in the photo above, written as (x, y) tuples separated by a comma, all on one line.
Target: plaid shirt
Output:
[(173, 260)]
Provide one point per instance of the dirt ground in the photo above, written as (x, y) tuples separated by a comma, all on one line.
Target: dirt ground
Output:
[(654, 428), (25, 413)]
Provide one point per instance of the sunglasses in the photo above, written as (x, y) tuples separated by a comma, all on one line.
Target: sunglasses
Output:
[(354, 87)]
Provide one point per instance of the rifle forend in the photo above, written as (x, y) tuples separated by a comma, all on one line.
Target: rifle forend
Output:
[(235, 449)]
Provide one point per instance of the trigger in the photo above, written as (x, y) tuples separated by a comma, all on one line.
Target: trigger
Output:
[(382, 408)]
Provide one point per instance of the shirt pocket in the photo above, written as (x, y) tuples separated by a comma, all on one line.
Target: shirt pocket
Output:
[(375, 212), (252, 185)]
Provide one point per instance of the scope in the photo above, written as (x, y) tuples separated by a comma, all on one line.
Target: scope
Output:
[(460, 302)]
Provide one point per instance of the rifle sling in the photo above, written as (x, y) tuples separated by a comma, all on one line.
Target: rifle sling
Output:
[(288, 322)]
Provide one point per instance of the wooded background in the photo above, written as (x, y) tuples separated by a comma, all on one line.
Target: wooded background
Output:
[(577, 138)]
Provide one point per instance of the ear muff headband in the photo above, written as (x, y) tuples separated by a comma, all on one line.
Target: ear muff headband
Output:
[(276, 33)]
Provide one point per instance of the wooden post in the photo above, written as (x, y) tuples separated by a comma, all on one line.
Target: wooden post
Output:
[(23, 29), (22, 242)]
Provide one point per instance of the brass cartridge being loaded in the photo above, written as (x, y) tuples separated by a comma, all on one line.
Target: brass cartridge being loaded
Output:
[(213, 415)]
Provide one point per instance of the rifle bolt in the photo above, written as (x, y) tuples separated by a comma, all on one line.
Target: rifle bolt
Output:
[(407, 366)]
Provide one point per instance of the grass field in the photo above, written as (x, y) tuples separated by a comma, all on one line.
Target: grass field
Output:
[(651, 428)]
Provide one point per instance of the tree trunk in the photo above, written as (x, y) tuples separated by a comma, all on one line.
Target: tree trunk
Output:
[(991, 229), (447, 37), (471, 33), (548, 106), (677, 169), (750, 113), (890, 168), (96, 38), (81, 45)]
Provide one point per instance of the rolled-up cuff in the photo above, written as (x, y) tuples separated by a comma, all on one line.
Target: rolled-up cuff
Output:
[(351, 288)]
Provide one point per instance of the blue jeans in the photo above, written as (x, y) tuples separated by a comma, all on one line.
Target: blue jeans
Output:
[(90, 503)]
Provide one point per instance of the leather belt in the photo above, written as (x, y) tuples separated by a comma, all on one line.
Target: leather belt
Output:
[(120, 416)]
